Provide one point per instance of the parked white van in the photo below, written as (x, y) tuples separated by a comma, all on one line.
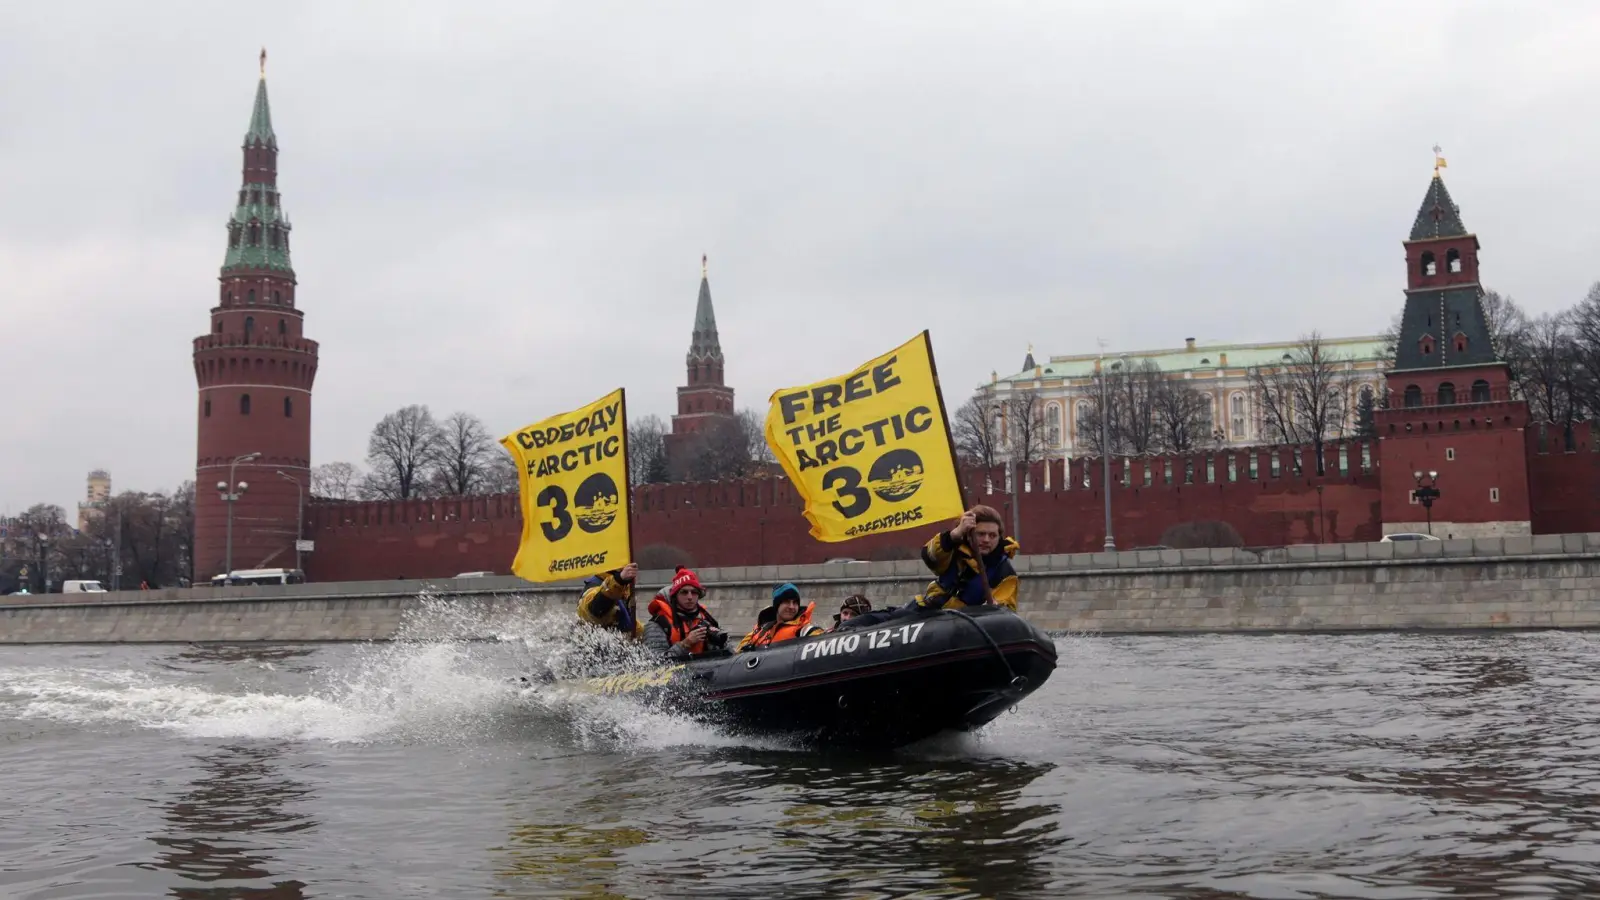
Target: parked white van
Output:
[(82, 587)]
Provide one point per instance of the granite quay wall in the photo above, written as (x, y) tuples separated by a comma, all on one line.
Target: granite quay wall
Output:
[(1548, 581)]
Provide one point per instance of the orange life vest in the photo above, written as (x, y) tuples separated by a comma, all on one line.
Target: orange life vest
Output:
[(678, 623), (774, 633)]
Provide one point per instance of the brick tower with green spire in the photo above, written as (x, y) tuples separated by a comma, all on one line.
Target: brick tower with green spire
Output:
[(705, 404), (1450, 410), (255, 370)]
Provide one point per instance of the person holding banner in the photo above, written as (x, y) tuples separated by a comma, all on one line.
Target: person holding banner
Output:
[(950, 554), (608, 603), (680, 627)]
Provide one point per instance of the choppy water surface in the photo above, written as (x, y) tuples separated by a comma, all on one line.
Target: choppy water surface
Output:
[(1206, 767)]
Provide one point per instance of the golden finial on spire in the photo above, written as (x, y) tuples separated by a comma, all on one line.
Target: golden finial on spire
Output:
[(263, 62), (702, 265), (1030, 348), (1438, 161)]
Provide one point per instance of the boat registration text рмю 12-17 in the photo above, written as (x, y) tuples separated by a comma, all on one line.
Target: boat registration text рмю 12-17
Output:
[(865, 641)]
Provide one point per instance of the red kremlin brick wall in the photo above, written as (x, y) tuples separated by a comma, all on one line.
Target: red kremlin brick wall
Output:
[(759, 522)]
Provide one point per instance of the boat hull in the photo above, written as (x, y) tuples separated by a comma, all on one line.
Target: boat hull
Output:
[(885, 685)]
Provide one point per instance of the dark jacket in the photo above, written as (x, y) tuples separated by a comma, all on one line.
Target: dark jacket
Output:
[(955, 567)]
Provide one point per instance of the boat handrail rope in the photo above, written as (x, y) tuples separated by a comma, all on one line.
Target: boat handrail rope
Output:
[(1016, 680)]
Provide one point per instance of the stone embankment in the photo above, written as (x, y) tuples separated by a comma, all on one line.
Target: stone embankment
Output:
[(1548, 581)]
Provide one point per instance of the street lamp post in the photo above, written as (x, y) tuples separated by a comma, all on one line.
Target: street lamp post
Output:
[(44, 563), (231, 491), (1105, 454), (1427, 493), (299, 517)]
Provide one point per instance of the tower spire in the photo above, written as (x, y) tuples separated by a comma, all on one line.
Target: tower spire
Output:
[(704, 345)]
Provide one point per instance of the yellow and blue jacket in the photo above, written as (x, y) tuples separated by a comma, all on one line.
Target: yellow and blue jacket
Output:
[(955, 566), (608, 602)]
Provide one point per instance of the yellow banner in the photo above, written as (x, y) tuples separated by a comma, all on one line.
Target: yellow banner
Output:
[(573, 470), (869, 451)]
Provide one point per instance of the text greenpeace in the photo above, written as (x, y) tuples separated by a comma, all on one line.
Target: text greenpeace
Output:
[(865, 641), (572, 470), (869, 451)]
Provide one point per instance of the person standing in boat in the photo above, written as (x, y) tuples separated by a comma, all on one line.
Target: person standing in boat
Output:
[(608, 603), (784, 620), (950, 555), (680, 627)]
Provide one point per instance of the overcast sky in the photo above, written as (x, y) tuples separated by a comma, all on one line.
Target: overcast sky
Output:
[(500, 207)]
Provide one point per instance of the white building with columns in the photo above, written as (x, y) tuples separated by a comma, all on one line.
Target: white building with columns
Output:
[(1222, 373)]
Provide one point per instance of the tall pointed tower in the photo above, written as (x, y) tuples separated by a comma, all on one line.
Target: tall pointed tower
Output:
[(705, 403), (1450, 406), (255, 370)]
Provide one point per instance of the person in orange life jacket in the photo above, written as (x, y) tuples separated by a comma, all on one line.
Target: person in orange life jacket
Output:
[(955, 567), (679, 626), (784, 620), (854, 605), (607, 602)]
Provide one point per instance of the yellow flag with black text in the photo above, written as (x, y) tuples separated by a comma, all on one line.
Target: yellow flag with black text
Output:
[(573, 472), (869, 451)]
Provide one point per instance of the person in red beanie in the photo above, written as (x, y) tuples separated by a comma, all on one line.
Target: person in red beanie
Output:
[(679, 626)]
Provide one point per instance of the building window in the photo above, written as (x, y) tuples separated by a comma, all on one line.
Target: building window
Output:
[(277, 298), (282, 328), (1413, 395), (1429, 266), (1052, 425), (1426, 345), (249, 327), (1480, 391), (218, 329), (250, 298), (244, 404), (288, 407), (1450, 454), (1461, 342), (1453, 260), (208, 407), (1447, 394), (1236, 415), (1494, 495)]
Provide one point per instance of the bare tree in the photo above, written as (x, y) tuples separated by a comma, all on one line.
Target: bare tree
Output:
[(1585, 326), (500, 474), (460, 459), (1547, 372), (1305, 399), (754, 425), (1506, 321), (335, 481), (1024, 437), (1391, 341), (976, 437), (647, 451), (399, 450), (1183, 416)]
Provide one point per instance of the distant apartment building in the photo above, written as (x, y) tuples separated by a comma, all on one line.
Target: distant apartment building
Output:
[(1222, 373)]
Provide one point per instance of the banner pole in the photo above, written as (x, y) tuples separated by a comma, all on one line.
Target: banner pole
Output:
[(944, 413), (627, 472), (955, 463)]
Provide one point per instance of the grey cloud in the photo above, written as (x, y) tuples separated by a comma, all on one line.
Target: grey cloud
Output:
[(501, 207)]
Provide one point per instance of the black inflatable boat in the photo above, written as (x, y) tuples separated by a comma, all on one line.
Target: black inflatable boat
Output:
[(883, 685)]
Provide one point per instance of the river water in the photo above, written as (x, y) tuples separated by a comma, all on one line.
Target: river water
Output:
[(1374, 766)]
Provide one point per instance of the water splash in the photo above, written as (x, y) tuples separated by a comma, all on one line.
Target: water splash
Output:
[(450, 676)]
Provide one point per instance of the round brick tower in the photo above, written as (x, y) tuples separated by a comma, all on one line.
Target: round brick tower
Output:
[(255, 371)]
